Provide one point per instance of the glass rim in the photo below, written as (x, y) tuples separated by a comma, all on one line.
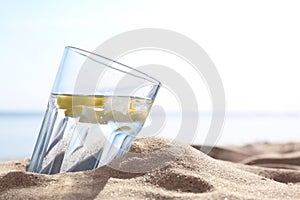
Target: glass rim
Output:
[(141, 74)]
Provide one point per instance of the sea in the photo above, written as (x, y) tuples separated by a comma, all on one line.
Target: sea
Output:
[(19, 131)]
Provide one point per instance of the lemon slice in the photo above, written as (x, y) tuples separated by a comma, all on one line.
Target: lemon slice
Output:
[(74, 104), (68, 101), (91, 109)]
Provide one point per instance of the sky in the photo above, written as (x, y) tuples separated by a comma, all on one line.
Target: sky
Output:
[(255, 45)]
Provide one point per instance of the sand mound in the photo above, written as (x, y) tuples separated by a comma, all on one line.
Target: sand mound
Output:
[(282, 156), (188, 174)]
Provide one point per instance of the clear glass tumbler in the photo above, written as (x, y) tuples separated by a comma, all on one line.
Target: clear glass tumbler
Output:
[(96, 108)]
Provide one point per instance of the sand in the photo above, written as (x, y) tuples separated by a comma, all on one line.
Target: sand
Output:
[(260, 171)]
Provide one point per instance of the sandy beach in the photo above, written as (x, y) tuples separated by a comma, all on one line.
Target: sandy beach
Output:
[(177, 171)]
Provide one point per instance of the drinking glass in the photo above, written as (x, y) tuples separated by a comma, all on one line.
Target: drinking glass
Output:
[(96, 108)]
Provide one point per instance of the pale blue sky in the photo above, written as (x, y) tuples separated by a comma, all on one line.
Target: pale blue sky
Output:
[(33, 37), (255, 45)]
